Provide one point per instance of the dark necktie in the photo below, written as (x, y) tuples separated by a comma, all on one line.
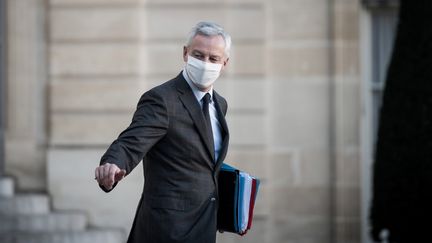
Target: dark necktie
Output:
[(206, 102)]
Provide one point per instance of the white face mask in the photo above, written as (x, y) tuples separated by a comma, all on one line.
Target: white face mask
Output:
[(202, 74)]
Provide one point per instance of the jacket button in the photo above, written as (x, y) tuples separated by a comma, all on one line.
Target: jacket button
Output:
[(213, 199)]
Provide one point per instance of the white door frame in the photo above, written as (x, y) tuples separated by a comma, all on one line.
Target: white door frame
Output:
[(366, 133)]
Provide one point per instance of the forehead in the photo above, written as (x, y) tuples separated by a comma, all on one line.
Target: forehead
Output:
[(214, 45)]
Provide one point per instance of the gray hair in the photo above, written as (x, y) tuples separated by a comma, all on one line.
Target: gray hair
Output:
[(210, 29)]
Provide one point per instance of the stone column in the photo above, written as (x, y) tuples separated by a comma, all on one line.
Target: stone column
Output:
[(25, 103), (300, 121), (344, 18)]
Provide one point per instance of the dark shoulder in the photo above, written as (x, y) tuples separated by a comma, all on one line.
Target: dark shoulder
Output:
[(168, 86), (163, 90), (159, 94)]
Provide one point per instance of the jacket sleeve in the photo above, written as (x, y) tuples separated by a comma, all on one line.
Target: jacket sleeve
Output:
[(149, 124)]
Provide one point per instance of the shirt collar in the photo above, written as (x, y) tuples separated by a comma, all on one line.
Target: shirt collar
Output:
[(198, 93)]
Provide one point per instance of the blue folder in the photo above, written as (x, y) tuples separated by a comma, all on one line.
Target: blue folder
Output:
[(231, 185)]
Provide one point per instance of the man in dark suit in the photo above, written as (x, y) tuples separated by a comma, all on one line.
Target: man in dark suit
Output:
[(180, 133)]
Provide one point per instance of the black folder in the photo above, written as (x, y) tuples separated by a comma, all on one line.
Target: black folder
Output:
[(228, 199)]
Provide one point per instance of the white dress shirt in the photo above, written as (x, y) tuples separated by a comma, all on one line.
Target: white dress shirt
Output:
[(216, 126)]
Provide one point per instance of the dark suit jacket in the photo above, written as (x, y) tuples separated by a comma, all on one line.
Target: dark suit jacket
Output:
[(180, 198)]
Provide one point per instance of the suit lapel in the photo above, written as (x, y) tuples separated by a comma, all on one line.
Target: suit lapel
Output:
[(221, 116), (190, 102), (225, 132)]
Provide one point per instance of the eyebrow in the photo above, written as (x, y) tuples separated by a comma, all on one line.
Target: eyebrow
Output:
[(198, 52), (215, 57)]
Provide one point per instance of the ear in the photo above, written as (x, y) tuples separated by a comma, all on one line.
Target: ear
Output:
[(225, 63), (184, 53)]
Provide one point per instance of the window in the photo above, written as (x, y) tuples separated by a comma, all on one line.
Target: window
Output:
[(383, 30), (379, 20)]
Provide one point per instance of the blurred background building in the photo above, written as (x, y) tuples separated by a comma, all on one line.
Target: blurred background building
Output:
[(304, 85)]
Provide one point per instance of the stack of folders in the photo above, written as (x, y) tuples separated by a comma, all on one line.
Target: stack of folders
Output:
[(237, 194)]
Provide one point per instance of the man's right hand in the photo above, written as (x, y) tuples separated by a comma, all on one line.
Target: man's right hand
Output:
[(108, 174)]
